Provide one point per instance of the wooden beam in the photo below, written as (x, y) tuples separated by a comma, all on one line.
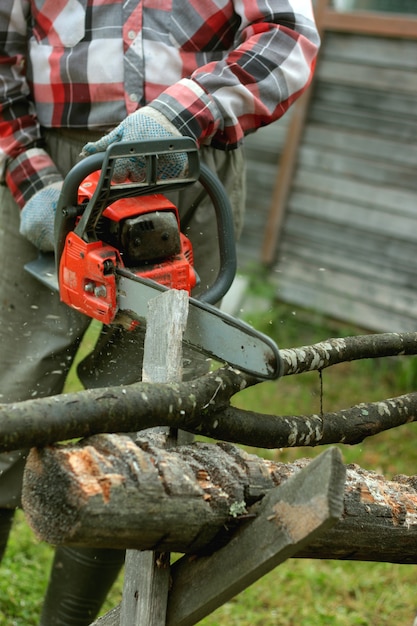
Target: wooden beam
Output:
[(290, 517), (371, 23), (147, 574)]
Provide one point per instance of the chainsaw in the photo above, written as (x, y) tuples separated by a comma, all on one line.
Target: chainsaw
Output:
[(119, 245)]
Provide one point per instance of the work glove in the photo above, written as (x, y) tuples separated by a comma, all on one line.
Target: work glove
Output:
[(38, 216), (146, 123)]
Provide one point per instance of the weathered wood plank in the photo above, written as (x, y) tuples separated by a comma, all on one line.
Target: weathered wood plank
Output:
[(378, 51), (369, 76), (365, 219), (389, 125), (289, 518), (372, 23), (358, 262), (365, 169), (386, 152), (352, 310), (371, 102), (398, 201), (353, 287), (147, 574), (330, 237)]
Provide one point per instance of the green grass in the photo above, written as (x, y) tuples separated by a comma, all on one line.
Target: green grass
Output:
[(298, 592)]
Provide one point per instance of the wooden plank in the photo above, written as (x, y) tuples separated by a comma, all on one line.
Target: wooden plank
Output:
[(373, 147), (398, 202), (363, 169), (303, 234), (364, 315), (370, 50), (369, 76), (370, 101), (353, 287), (306, 232), (353, 261), (371, 23), (147, 574), (363, 221), (358, 120), (290, 517)]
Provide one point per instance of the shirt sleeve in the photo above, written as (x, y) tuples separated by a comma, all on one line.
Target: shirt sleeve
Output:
[(24, 165), (255, 83)]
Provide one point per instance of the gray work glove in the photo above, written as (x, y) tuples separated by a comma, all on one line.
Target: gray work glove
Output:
[(146, 123), (38, 216)]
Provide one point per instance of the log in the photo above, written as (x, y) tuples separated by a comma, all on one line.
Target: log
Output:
[(100, 492), (288, 517)]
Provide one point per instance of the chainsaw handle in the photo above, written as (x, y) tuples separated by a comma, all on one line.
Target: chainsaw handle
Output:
[(226, 236), (67, 211), (106, 193)]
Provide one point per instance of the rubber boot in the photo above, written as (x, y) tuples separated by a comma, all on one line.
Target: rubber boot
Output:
[(6, 521), (79, 583)]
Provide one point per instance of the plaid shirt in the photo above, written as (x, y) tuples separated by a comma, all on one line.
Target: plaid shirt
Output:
[(217, 69)]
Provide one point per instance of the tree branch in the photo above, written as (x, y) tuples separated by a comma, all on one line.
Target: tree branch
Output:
[(348, 426), (337, 350), (39, 422), (202, 406)]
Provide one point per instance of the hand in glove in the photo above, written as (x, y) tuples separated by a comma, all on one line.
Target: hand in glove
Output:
[(146, 123), (38, 216)]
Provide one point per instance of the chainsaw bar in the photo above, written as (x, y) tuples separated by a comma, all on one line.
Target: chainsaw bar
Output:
[(209, 330)]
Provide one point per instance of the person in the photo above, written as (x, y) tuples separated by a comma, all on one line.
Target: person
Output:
[(77, 76)]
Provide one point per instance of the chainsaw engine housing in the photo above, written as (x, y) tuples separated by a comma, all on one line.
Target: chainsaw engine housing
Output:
[(140, 233)]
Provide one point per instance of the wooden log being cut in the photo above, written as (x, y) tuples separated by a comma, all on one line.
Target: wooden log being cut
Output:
[(287, 518), (109, 492)]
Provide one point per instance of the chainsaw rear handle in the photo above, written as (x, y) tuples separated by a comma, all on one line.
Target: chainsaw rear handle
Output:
[(106, 193)]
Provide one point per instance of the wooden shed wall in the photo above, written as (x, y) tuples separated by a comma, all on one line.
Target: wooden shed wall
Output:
[(348, 246), (263, 150)]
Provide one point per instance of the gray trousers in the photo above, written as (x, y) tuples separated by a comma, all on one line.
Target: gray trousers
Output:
[(40, 336)]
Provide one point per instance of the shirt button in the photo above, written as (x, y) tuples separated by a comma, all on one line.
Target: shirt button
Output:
[(133, 97), (131, 34)]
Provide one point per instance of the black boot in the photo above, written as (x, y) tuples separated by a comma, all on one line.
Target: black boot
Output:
[(6, 521), (79, 583)]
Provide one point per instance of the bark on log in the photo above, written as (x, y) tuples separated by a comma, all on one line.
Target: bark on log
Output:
[(289, 517), (107, 491)]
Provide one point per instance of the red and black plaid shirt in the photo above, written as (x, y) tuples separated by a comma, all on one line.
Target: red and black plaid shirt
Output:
[(218, 69)]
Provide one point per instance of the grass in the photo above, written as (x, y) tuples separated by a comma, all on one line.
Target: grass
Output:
[(298, 592)]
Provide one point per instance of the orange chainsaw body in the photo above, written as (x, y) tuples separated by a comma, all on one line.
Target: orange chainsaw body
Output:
[(140, 233)]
